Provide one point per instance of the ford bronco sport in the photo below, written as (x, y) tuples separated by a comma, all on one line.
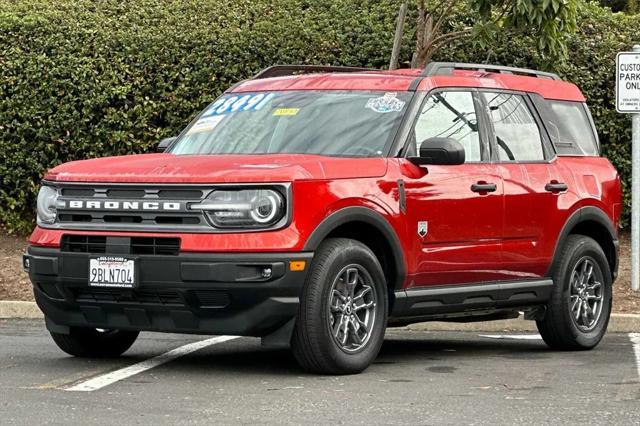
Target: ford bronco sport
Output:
[(315, 206)]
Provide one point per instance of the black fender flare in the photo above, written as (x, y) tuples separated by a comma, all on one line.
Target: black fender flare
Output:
[(370, 217), (584, 214)]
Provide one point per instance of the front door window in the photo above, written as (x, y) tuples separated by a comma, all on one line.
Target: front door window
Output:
[(450, 115)]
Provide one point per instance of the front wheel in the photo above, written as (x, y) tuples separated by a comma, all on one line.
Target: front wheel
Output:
[(343, 310), (578, 313), (95, 343)]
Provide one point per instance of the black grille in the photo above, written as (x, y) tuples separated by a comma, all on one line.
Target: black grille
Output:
[(137, 245), (129, 219), (144, 297), (84, 244), (77, 192), (125, 193), (112, 218), (155, 245), (180, 194), (131, 207), (212, 298)]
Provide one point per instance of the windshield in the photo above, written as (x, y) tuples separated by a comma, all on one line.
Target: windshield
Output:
[(350, 124)]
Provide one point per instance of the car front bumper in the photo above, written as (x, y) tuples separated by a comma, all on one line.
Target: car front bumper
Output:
[(203, 293)]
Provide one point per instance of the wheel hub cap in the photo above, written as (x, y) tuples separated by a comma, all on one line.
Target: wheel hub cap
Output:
[(586, 294), (352, 308)]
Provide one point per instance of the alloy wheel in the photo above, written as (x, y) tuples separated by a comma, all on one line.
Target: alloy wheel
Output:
[(352, 308), (586, 294)]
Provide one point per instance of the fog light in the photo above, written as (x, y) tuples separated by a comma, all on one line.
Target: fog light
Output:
[(266, 273), (26, 263)]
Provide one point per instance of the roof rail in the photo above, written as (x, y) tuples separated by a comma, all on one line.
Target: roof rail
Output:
[(447, 68), (282, 70)]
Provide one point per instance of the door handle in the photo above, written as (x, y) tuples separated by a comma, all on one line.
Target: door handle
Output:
[(555, 187), (484, 187)]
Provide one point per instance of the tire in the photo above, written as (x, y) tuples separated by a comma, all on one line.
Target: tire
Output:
[(325, 306), (567, 324), (94, 343)]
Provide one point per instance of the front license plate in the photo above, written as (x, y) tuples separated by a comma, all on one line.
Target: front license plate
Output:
[(112, 271)]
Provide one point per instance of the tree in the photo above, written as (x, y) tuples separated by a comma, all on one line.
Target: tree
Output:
[(550, 19)]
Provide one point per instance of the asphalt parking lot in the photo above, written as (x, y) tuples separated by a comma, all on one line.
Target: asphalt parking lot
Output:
[(419, 378)]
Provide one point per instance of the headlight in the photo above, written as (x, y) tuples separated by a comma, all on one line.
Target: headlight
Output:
[(244, 208), (47, 198)]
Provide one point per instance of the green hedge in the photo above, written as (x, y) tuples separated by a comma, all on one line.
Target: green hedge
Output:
[(82, 79)]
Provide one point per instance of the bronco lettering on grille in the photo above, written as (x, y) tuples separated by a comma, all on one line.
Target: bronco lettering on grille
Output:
[(123, 205)]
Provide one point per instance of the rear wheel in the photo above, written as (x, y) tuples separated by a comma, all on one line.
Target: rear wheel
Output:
[(578, 313), (95, 343), (343, 310)]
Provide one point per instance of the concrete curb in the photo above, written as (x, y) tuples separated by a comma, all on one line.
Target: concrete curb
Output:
[(16, 309), (619, 323)]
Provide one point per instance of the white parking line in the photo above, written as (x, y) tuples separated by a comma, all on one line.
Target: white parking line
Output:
[(99, 382), (635, 340), (513, 336)]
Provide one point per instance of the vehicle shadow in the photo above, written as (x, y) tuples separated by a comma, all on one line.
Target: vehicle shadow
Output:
[(396, 349), (252, 359)]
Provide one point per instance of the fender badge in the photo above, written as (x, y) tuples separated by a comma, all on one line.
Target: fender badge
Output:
[(423, 228)]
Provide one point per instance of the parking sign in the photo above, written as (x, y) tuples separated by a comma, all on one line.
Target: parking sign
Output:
[(628, 82)]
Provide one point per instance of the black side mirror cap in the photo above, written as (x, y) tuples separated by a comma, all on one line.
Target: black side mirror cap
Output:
[(440, 151), (164, 144)]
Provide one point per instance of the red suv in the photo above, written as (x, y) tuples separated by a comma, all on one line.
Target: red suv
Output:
[(315, 206)]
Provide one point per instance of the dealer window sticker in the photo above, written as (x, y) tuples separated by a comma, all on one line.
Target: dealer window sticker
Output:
[(205, 124), (386, 103)]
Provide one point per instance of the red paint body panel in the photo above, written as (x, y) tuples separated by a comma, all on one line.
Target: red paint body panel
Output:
[(504, 235), (313, 200), (468, 234), (534, 217), (351, 81), (465, 228), (401, 81), (169, 168)]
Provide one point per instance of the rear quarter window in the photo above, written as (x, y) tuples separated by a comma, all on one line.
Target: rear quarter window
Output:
[(570, 127)]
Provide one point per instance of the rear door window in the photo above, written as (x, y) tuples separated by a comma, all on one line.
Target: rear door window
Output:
[(518, 136)]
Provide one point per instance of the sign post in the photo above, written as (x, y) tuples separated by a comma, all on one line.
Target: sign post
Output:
[(628, 101)]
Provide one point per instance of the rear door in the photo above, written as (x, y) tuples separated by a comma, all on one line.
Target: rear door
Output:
[(454, 212), (533, 187)]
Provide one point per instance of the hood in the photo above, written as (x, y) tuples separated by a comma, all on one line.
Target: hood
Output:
[(169, 168)]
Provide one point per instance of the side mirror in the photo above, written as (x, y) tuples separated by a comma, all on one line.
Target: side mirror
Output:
[(440, 151), (164, 144)]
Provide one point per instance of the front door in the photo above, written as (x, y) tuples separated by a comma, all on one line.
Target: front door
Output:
[(454, 213)]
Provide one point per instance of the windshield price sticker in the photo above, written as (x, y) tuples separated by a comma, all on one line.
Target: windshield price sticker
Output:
[(628, 82), (228, 104), (205, 124)]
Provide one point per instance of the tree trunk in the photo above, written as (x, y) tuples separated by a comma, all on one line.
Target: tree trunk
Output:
[(429, 36), (397, 40), (424, 39)]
